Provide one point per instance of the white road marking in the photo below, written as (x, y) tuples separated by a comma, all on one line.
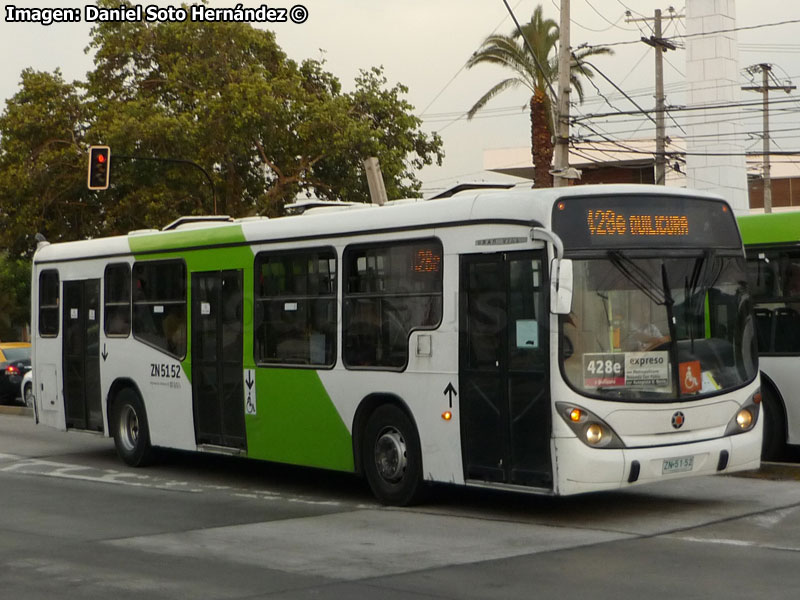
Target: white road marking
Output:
[(733, 542)]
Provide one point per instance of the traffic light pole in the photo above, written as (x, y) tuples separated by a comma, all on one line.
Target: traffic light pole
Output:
[(177, 161)]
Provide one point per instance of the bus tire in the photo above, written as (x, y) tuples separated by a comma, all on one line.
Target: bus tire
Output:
[(391, 457), (773, 445), (130, 430)]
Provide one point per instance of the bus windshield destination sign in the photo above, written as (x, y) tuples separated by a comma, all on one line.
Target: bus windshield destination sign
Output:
[(609, 222), (606, 222)]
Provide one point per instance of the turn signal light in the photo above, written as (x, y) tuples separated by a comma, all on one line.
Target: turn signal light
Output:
[(588, 427), (447, 415)]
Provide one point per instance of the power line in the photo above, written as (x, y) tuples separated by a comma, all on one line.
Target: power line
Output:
[(743, 28), (705, 33), (602, 16), (620, 90), (464, 66), (691, 108)]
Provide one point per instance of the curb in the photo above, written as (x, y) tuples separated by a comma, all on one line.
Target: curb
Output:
[(23, 411)]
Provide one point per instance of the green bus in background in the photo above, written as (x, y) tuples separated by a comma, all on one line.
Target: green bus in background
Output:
[(772, 245)]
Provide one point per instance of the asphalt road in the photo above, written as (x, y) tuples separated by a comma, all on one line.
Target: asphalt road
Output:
[(75, 523)]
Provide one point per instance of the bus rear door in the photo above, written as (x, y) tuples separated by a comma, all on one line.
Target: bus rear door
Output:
[(81, 355)]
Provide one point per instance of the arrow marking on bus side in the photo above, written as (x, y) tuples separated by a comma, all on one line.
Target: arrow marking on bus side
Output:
[(105, 353), (450, 391)]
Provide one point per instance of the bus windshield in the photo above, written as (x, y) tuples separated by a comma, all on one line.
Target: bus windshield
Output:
[(667, 328)]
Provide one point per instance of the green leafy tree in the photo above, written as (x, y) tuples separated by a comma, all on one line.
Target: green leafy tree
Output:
[(15, 306), (222, 95), (43, 165), (537, 72), (225, 96)]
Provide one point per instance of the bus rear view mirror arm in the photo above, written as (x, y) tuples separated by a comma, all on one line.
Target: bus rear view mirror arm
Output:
[(560, 272), (561, 286)]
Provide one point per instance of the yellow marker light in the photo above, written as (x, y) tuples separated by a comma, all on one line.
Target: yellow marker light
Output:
[(594, 434), (575, 415), (447, 415), (744, 418)]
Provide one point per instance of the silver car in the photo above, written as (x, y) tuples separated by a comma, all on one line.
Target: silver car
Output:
[(26, 389)]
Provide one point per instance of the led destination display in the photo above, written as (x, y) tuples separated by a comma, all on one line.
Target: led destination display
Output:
[(644, 221)]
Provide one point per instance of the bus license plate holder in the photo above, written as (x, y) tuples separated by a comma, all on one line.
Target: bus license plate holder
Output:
[(680, 464)]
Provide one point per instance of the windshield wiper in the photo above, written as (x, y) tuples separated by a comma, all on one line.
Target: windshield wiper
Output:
[(638, 277)]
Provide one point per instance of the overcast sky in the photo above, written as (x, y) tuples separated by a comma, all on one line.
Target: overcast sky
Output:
[(424, 45)]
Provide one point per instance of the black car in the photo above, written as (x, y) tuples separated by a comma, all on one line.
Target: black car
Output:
[(15, 361)]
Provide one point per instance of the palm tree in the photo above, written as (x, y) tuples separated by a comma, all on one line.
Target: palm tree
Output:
[(536, 74)]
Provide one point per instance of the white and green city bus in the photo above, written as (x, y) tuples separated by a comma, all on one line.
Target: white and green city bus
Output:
[(772, 243), (485, 339)]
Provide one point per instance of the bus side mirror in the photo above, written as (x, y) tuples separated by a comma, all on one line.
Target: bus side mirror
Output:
[(561, 286)]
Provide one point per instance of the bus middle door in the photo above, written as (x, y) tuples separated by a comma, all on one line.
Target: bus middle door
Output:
[(217, 359)]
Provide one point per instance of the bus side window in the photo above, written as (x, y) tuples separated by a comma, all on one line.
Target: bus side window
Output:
[(296, 307), (159, 305), (117, 299), (49, 288), (391, 290)]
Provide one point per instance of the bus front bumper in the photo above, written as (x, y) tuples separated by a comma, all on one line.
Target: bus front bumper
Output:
[(584, 469)]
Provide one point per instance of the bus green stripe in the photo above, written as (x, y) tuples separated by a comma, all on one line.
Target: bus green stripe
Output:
[(190, 238), (296, 421)]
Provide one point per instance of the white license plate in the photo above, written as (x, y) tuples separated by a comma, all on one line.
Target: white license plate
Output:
[(677, 465)]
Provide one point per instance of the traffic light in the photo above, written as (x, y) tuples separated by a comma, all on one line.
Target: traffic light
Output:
[(99, 167)]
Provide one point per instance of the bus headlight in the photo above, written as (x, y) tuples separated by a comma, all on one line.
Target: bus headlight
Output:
[(594, 434), (746, 417), (588, 427)]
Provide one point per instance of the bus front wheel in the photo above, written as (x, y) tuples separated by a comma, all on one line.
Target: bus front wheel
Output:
[(129, 428), (391, 457), (773, 446)]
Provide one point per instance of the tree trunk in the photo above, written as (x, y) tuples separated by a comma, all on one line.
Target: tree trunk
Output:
[(541, 141)]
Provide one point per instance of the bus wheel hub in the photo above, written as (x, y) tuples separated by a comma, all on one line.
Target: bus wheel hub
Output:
[(390, 455)]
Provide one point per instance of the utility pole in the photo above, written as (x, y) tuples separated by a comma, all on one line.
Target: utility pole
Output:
[(561, 153), (764, 88), (661, 45), (377, 187)]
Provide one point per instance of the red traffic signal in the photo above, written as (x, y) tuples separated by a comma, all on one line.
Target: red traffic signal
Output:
[(99, 167)]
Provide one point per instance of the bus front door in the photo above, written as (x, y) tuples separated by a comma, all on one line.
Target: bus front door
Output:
[(503, 369), (81, 355), (217, 383)]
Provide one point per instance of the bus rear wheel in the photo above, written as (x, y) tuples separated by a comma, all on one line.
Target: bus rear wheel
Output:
[(391, 457), (129, 428)]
